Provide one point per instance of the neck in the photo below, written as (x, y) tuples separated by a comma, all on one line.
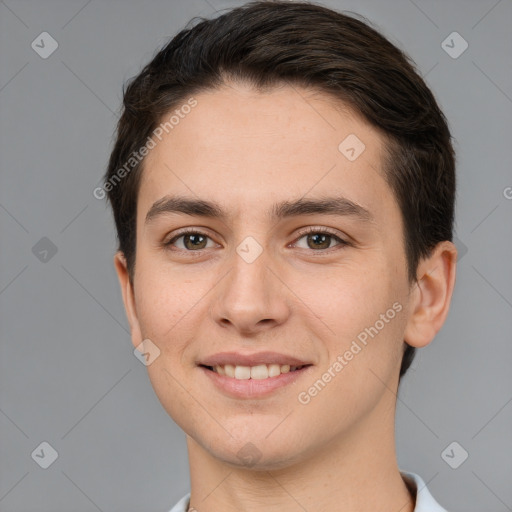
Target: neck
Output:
[(357, 473)]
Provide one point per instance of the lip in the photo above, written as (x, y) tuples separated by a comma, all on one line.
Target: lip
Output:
[(239, 359), (252, 388)]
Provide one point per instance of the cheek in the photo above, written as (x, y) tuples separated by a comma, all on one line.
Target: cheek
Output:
[(367, 320), (349, 299), (363, 359), (162, 305)]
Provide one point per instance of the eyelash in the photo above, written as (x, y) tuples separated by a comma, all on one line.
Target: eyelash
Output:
[(309, 231)]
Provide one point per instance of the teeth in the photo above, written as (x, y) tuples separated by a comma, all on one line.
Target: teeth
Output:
[(274, 370), (259, 372), (230, 370), (242, 372)]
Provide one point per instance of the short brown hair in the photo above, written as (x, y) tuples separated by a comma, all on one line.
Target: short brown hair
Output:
[(274, 43)]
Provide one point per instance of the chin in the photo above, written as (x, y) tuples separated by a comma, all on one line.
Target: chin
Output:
[(251, 458), (254, 452)]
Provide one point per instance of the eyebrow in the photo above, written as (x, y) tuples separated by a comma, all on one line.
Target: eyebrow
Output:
[(339, 206)]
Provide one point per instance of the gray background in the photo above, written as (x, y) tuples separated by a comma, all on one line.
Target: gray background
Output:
[(68, 375)]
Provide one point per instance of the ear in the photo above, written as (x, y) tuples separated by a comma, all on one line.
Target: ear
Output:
[(431, 295), (128, 297)]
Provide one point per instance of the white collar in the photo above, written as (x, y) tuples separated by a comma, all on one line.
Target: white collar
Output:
[(424, 500)]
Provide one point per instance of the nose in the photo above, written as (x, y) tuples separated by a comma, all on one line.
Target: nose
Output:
[(251, 299)]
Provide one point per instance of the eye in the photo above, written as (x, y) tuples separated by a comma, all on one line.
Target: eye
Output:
[(192, 241), (320, 239)]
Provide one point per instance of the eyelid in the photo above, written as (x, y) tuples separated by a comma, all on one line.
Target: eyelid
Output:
[(168, 241), (187, 231), (318, 229)]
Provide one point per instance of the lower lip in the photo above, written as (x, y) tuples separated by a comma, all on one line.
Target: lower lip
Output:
[(252, 388)]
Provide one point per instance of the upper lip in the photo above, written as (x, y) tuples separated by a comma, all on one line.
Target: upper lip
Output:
[(237, 359)]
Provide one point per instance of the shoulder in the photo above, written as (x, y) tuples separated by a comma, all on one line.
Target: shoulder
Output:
[(425, 502), (182, 505)]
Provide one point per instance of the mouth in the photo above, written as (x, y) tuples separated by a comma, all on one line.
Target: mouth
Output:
[(258, 372), (253, 376)]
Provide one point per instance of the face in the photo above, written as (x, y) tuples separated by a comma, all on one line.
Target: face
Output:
[(295, 274)]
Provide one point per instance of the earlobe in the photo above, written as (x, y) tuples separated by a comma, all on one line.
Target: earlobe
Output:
[(431, 296), (128, 297)]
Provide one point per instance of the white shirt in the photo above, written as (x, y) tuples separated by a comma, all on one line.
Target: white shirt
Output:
[(424, 500)]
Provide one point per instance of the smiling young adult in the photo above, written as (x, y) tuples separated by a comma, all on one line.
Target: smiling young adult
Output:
[(284, 246)]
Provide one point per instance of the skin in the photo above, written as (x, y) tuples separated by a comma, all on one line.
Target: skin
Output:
[(247, 150)]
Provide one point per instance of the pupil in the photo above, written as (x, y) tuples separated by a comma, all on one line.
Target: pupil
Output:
[(322, 242), (195, 240)]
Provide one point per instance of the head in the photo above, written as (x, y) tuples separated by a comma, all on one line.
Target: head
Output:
[(277, 103)]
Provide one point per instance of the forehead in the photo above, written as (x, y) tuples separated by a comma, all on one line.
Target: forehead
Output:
[(245, 148)]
